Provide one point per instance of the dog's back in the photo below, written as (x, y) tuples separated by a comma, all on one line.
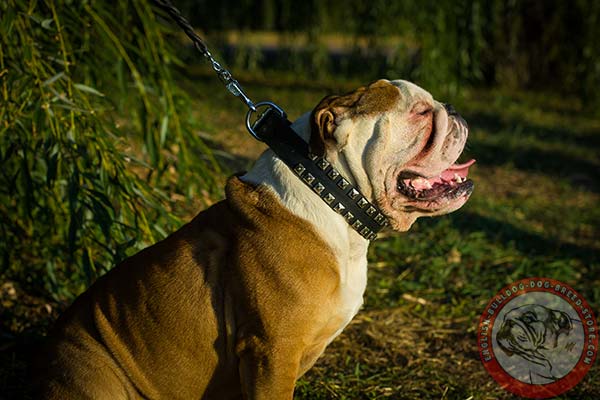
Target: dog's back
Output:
[(171, 321)]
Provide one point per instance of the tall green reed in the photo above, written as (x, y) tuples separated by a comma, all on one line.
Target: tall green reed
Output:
[(96, 140)]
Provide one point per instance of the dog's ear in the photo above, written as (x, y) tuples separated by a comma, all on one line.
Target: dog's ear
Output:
[(378, 97), (322, 125)]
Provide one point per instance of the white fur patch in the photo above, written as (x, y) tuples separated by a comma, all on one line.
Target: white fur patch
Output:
[(349, 248)]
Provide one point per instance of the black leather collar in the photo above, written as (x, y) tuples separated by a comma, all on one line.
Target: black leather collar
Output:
[(273, 128)]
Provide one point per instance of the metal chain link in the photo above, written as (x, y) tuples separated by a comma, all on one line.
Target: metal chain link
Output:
[(224, 75)]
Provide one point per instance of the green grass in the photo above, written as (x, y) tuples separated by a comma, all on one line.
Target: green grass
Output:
[(534, 212)]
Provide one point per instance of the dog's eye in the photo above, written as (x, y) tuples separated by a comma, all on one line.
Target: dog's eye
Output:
[(528, 318), (422, 109)]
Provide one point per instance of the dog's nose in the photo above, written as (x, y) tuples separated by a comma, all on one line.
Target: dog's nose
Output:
[(455, 115), (450, 109)]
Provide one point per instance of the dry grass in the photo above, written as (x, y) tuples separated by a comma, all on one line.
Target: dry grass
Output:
[(402, 346), (396, 353)]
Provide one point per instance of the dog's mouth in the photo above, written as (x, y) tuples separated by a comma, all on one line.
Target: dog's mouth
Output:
[(429, 192)]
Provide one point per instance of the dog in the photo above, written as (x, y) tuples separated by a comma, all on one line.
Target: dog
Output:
[(532, 332), (241, 301)]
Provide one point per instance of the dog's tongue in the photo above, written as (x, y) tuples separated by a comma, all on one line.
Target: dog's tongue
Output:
[(461, 170), (457, 173)]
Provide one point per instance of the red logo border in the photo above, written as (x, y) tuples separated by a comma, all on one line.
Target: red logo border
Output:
[(531, 390)]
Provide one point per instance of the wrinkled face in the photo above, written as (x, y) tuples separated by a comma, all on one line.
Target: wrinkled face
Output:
[(400, 147), (530, 327)]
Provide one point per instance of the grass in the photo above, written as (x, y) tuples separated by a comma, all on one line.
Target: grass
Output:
[(534, 212)]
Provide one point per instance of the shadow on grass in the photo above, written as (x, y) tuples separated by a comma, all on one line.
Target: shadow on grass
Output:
[(525, 242), (230, 163), (494, 123), (579, 172)]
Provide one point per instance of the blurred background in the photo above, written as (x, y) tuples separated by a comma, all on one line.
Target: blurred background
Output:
[(543, 45), (114, 132)]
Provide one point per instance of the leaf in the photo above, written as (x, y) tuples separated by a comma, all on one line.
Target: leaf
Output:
[(164, 125), (88, 266), (47, 23), (161, 231), (151, 147), (102, 217), (84, 88), (50, 268), (53, 79), (102, 198)]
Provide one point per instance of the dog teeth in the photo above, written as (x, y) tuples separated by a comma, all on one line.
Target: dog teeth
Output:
[(459, 178), (421, 183)]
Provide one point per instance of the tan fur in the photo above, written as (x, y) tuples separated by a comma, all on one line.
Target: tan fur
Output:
[(234, 301), (375, 98)]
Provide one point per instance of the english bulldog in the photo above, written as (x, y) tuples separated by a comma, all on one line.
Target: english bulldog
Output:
[(241, 301), (532, 332)]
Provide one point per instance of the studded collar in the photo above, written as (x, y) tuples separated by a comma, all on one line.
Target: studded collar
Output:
[(317, 173)]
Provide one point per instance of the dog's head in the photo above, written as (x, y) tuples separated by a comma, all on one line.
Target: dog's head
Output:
[(399, 146), (527, 329)]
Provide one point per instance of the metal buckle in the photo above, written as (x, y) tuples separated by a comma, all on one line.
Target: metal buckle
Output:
[(251, 125)]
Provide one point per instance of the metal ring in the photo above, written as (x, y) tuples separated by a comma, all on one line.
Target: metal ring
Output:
[(251, 111)]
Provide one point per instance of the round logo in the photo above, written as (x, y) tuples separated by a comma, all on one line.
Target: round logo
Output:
[(537, 338)]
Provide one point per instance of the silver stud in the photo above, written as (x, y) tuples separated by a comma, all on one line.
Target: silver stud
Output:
[(312, 156), (365, 232), (299, 169), (357, 224), (353, 193), (318, 188), (329, 198), (379, 218), (373, 236), (362, 202), (343, 184), (333, 174), (323, 164), (370, 211), (339, 207), (309, 178), (386, 223), (349, 216)]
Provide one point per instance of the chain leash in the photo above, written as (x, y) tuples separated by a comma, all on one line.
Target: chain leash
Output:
[(232, 85)]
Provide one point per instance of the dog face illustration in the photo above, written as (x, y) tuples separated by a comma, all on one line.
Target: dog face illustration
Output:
[(531, 330)]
